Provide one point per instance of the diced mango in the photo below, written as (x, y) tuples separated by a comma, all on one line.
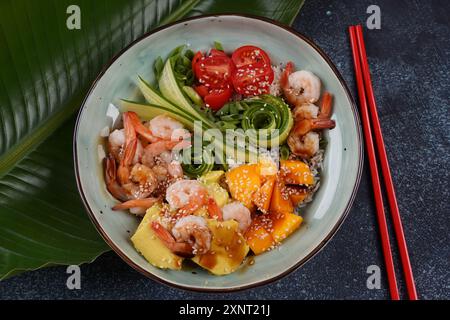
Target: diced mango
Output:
[(284, 225), (228, 248), (296, 194), (264, 194), (296, 172), (150, 246), (280, 202), (243, 182), (258, 238)]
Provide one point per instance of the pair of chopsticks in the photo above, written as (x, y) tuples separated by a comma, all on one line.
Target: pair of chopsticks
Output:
[(368, 105)]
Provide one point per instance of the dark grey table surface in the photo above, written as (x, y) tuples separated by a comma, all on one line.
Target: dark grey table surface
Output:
[(409, 58)]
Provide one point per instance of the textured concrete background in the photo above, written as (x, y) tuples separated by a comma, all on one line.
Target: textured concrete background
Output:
[(410, 59)]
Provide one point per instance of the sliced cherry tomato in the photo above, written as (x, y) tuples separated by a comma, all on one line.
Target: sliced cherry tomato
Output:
[(252, 81), (196, 59), (214, 71), (202, 90), (214, 98), (250, 55), (218, 97)]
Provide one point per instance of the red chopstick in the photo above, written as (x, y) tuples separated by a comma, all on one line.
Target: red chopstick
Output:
[(381, 217), (382, 156)]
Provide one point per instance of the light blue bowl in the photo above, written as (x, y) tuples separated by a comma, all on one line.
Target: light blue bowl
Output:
[(342, 165)]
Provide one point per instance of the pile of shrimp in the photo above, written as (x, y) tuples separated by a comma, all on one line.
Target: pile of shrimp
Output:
[(140, 170), (140, 163), (185, 233), (302, 90)]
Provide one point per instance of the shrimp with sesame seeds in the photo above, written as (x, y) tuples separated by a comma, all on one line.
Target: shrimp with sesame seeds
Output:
[(143, 181), (183, 249), (237, 211), (193, 230), (159, 148), (175, 169), (187, 196)]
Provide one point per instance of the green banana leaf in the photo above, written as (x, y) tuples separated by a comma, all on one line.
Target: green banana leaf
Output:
[(45, 71)]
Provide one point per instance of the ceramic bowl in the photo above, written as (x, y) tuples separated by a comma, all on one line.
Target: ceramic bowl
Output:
[(342, 164)]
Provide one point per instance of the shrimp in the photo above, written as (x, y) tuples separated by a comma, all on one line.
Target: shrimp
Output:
[(186, 195), (302, 140), (306, 111), (163, 126), (144, 181), (116, 140), (237, 211), (111, 180), (137, 206), (325, 107), (306, 125), (183, 249), (157, 148), (304, 146), (193, 230), (161, 172), (141, 129), (300, 87), (126, 160), (175, 170), (214, 210)]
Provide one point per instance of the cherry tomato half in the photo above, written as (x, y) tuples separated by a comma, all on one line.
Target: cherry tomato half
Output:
[(250, 55), (196, 59), (214, 71), (252, 81), (214, 98), (218, 97), (202, 90)]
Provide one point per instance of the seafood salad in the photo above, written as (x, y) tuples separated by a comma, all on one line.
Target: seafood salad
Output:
[(200, 194)]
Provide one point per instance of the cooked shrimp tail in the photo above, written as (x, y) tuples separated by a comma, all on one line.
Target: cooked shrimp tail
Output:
[(183, 249), (284, 79), (325, 108), (145, 132), (111, 180), (136, 203), (214, 210), (306, 125), (130, 149)]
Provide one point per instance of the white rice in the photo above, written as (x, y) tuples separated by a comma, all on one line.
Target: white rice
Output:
[(275, 87)]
